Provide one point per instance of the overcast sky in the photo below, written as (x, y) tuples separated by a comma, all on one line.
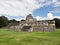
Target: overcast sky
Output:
[(40, 9)]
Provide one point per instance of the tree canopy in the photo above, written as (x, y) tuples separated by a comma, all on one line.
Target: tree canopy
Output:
[(57, 22), (3, 21)]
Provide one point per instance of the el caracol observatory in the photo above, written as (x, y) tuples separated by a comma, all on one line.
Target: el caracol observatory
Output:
[(31, 24)]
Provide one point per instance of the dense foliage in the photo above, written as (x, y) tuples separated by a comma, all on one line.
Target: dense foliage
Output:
[(57, 22), (4, 21)]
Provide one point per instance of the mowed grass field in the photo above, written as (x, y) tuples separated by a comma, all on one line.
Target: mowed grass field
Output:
[(9, 37)]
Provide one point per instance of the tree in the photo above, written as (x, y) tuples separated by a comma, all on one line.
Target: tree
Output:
[(13, 21), (3, 21), (57, 22)]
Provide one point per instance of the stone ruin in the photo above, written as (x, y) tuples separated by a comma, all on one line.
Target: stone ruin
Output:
[(30, 24)]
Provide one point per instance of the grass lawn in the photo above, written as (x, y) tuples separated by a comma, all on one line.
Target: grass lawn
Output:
[(9, 37)]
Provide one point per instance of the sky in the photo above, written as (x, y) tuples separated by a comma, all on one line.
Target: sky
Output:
[(40, 9)]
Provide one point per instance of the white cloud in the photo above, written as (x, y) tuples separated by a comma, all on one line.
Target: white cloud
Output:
[(40, 18), (22, 7), (57, 3), (56, 6), (12, 8), (49, 17), (54, 0), (18, 8)]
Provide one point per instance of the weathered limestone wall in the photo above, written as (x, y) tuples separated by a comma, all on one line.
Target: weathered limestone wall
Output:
[(44, 27), (36, 26)]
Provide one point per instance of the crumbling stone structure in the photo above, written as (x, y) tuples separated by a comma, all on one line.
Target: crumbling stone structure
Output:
[(32, 25)]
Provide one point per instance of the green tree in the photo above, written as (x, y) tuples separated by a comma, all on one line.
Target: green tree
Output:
[(3, 21), (57, 22), (13, 21)]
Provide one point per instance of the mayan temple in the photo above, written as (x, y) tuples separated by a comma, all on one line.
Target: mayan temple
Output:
[(30, 24)]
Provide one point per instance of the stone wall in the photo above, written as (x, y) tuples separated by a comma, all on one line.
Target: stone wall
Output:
[(30, 24)]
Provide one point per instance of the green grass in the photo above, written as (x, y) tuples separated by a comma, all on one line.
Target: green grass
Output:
[(9, 37)]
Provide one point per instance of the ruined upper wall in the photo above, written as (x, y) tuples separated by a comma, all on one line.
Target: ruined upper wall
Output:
[(29, 18)]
